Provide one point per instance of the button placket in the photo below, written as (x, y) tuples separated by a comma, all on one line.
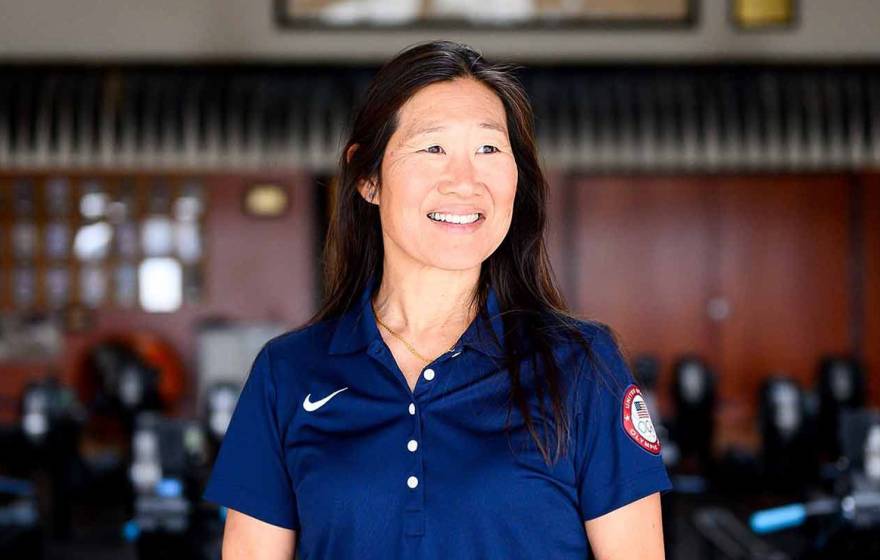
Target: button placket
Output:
[(415, 510), (414, 523), (415, 499), (411, 446)]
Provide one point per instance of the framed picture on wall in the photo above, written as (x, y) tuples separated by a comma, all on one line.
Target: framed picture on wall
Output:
[(496, 14)]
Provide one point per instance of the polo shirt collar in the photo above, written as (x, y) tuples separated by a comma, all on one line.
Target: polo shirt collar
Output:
[(357, 327)]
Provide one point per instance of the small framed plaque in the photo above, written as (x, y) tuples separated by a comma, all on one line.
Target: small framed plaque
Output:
[(265, 200), (763, 14)]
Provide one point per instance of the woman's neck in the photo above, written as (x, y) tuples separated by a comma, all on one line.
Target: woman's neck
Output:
[(427, 304)]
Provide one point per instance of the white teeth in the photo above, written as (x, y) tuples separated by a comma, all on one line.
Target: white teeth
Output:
[(454, 218)]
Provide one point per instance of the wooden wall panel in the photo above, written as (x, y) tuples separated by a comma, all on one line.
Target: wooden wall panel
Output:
[(652, 254), (557, 239), (785, 271), (870, 199), (645, 260)]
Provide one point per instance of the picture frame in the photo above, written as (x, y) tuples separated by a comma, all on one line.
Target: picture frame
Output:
[(605, 14)]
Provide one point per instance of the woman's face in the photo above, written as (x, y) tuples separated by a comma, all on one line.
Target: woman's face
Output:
[(449, 155)]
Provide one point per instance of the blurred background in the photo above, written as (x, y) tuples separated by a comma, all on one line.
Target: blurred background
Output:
[(166, 170)]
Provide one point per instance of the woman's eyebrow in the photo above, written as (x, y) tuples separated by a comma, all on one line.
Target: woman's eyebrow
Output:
[(424, 129)]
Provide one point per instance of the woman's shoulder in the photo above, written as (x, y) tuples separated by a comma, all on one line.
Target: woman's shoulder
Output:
[(592, 329), (601, 363), (310, 339), (577, 334), (290, 358)]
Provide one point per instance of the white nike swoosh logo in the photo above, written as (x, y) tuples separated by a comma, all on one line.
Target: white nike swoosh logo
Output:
[(312, 406)]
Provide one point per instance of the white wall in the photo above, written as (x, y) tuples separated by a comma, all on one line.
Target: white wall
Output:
[(100, 30)]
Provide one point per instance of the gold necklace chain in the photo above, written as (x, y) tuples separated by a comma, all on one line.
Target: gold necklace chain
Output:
[(407, 344)]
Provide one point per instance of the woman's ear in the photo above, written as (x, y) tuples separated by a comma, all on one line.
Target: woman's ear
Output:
[(368, 191), (350, 151), (366, 188)]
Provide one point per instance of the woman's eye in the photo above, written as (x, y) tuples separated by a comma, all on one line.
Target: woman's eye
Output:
[(430, 148)]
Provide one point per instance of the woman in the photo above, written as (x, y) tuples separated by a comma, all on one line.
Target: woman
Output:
[(414, 414)]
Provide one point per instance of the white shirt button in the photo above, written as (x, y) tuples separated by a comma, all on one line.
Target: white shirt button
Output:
[(429, 374), (412, 482), (412, 445), (412, 408), (456, 354)]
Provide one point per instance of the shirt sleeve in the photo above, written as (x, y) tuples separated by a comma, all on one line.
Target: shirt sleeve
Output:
[(618, 455), (249, 474)]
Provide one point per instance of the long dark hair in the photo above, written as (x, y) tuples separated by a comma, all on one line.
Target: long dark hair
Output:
[(533, 310)]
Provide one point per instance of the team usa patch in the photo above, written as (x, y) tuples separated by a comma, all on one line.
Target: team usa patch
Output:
[(637, 420)]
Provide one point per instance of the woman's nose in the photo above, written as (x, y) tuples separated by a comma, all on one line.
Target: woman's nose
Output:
[(463, 172)]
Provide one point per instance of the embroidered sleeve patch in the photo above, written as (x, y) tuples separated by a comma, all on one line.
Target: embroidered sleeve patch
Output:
[(637, 420)]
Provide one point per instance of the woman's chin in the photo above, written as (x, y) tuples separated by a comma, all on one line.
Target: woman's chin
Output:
[(459, 262)]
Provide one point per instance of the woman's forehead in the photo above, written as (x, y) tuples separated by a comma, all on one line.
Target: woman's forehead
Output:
[(451, 98), (425, 127), (443, 105)]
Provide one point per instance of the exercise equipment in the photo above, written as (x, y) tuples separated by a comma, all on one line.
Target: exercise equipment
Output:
[(51, 425), (220, 403), (20, 525), (840, 386), (169, 459), (788, 458), (846, 523), (693, 427)]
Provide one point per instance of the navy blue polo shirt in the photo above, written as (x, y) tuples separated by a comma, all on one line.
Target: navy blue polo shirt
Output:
[(328, 439)]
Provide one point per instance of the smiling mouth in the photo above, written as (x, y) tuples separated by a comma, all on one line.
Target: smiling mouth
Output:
[(464, 220)]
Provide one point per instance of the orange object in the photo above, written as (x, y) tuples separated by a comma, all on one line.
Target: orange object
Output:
[(149, 347)]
